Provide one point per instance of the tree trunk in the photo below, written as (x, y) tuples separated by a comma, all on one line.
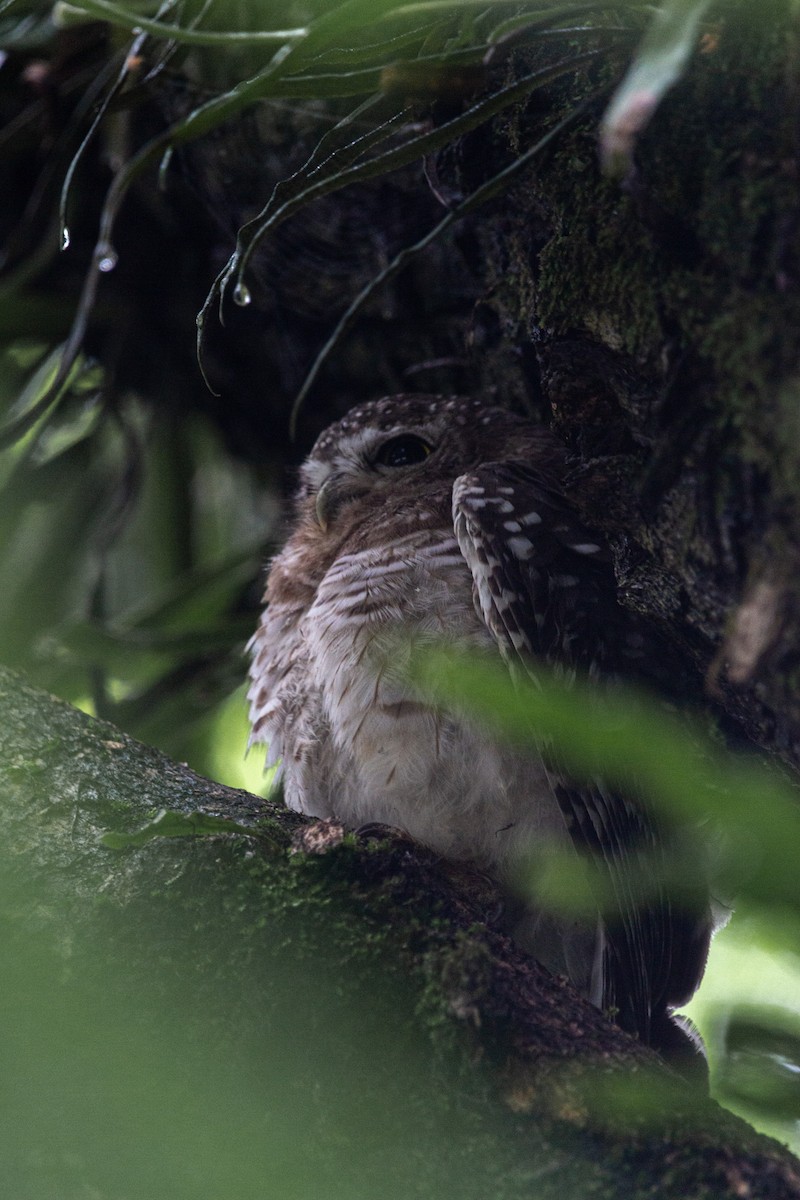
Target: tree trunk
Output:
[(659, 319)]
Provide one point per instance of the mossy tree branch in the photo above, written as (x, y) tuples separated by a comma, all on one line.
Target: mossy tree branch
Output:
[(387, 964)]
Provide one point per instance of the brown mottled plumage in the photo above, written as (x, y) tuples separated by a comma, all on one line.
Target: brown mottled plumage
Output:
[(423, 519)]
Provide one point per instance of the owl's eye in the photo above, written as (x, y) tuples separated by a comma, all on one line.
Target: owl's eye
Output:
[(403, 451)]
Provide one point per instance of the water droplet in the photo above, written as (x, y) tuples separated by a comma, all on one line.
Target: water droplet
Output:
[(241, 295), (106, 258), (64, 238)]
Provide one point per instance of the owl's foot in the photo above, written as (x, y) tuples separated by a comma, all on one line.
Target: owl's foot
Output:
[(318, 837)]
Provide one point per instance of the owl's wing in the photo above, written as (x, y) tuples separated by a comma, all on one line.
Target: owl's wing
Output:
[(545, 587), (544, 583)]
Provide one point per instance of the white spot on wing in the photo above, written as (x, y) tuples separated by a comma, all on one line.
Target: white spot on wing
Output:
[(521, 547)]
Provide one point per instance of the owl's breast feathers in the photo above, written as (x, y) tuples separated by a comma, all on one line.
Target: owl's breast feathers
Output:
[(332, 697)]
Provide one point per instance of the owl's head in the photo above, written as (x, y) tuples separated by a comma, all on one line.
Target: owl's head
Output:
[(407, 450)]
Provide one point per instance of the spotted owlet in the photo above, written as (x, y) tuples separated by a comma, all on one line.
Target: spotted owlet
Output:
[(425, 519)]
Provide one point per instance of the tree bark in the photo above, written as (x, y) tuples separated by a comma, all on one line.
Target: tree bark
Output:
[(659, 318), (506, 1082)]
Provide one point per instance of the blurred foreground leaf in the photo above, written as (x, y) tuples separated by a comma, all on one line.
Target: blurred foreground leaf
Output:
[(632, 740), (657, 65), (167, 824), (761, 1068), (747, 1012)]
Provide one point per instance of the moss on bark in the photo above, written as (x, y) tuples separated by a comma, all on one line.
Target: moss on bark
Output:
[(360, 977), (663, 316)]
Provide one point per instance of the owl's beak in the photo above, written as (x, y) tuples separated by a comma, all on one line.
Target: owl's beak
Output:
[(328, 500), (335, 491)]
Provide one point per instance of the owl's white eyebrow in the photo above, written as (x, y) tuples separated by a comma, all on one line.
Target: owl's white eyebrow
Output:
[(314, 472)]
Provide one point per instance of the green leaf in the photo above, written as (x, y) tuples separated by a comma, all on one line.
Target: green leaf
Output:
[(39, 395), (761, 1066), (630, 739), (126, 18), (168, 824), (658, 64)]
